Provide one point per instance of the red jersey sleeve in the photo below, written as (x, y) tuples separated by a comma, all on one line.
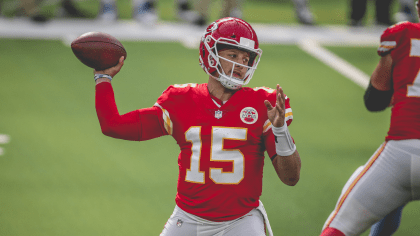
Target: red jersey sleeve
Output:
[(391, 38), (138, 125), (170, 101)]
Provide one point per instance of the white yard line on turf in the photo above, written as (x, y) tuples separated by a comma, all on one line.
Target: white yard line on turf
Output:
[(343, 67), (4, 138)]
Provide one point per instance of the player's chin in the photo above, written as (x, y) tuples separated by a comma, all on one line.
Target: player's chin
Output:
[(238, 76)]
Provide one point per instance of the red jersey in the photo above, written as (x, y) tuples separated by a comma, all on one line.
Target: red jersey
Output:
[(403, 42), (222, 148)]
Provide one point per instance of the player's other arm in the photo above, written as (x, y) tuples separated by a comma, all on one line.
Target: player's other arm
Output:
[(379, 93), (288, 168), (287, 161), (137, 125)]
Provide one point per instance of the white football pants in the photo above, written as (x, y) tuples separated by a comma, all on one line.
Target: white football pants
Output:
[(391, 178), (182, 223)]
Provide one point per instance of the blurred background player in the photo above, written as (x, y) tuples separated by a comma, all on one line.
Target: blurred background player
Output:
[(186, 12), (382, 12), (407, 11), (223, 130), (32, 9), (233, 8), (1, 8), (145, 11), (391, 177), (303, 13), (69, 9)]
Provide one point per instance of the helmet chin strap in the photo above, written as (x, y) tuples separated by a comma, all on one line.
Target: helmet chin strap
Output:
[(226, 80), (227, 83)]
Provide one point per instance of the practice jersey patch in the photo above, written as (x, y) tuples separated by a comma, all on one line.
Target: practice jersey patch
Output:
[(249, 115)]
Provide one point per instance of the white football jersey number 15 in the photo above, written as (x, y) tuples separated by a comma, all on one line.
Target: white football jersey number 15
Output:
[(217, 154)]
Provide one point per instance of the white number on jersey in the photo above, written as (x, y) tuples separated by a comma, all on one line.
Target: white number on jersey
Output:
[(194, 174), (413, 90), (218, 153), (185, 85), (268, 90)]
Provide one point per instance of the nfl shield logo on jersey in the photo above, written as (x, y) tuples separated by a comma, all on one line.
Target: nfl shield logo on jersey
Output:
[(179, 223), (218, 114), (249, 115)]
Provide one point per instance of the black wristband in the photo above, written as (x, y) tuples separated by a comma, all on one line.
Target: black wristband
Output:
[(274, 156), (377, 100)]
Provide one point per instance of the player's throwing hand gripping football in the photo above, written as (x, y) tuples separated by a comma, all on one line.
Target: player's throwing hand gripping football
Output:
[(223, 130), (111, 72)]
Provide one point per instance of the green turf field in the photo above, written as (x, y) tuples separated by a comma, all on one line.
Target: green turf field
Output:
[(60, 176)]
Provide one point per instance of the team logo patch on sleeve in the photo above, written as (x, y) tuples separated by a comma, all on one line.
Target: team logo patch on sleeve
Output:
[(249, 115)]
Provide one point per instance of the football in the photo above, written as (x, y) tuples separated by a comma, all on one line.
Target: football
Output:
[(98, 50)]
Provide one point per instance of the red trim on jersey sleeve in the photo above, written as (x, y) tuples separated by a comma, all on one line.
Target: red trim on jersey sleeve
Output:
[(136, 125), (391, 37)]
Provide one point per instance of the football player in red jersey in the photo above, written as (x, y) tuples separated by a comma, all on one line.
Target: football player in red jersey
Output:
[(391, 177), (222, 129)]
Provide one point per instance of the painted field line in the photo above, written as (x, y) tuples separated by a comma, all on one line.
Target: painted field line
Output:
[(337, 63), (4, 138)]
